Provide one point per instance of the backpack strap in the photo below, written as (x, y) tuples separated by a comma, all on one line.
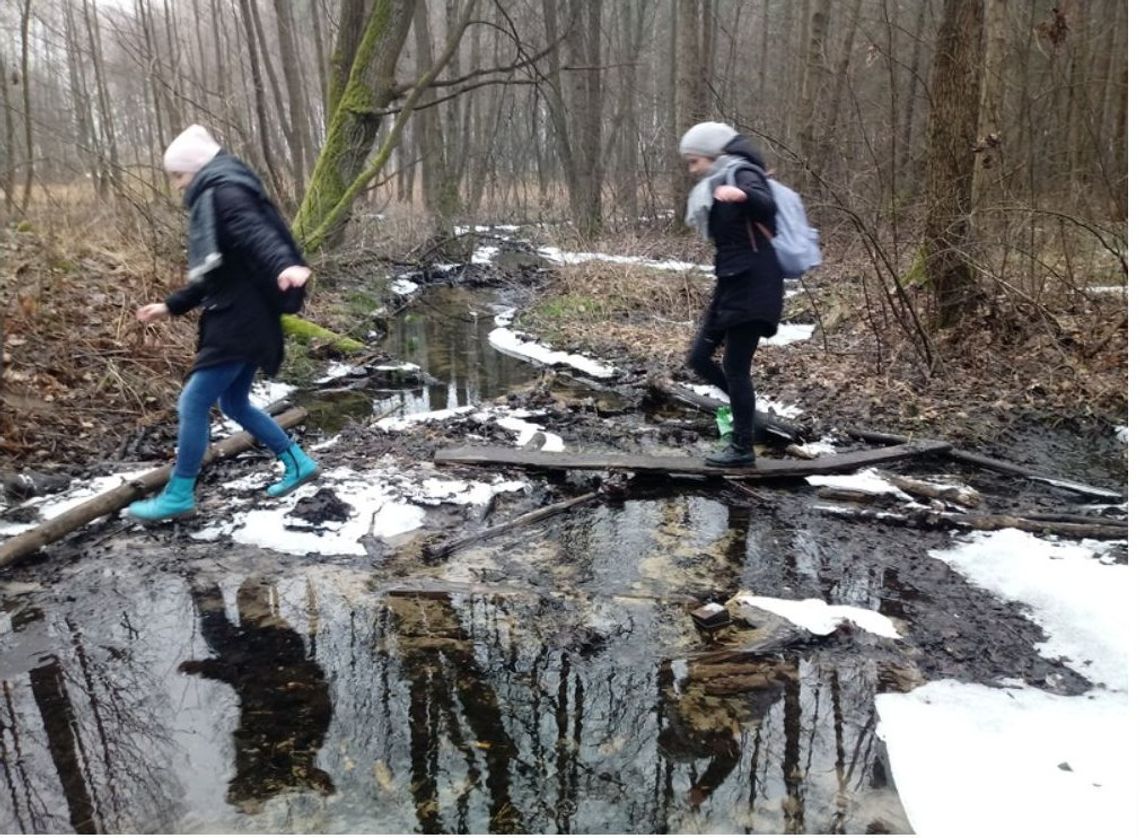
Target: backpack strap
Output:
[(731, 181)]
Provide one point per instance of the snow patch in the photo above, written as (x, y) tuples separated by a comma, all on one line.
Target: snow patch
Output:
[(818, 617), (563, 257), (1007, 749), (484, 255), (789, 333), (396, 423), (509, 343), (52, 506), (762, 404), (404, 287), (384, 502), (867, 480)]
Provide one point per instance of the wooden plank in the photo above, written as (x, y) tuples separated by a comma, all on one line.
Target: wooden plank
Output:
[(616, 461)]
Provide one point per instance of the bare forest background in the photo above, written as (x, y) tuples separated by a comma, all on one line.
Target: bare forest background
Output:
[(965, 160)]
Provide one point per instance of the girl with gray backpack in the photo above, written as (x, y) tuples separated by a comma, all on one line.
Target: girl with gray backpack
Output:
[(736, 206)]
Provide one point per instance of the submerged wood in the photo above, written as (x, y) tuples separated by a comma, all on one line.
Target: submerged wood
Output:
[(449, 547), (112, 501), (997, 465), (616, 461), (932, 519)]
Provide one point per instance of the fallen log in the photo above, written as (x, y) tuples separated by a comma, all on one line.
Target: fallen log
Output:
[(932, 519), (961, 495), (995, 465), (112, 501), (616, 461), (764, 423), (448, 547)]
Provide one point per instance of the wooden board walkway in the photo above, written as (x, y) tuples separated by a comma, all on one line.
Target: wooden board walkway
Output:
[(615, 461)]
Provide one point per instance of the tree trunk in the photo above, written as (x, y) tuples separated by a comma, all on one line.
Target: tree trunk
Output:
[(586, 98), (841, 88), (813, 77), (954, 92), (322, 67), (906, 163), (110, 172), (988, 162), (344, 169), (25, 82), (81, 102), (354, 15), (298, 106), (556, 103), (688, 67), (259, 97), (9, 137)]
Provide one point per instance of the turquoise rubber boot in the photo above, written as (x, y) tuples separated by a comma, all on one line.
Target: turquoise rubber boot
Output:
[(300, 468), (175, 501)]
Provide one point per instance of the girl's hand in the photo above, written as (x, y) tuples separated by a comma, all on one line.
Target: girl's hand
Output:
[(293, 277), (729, 194), (152, 312)]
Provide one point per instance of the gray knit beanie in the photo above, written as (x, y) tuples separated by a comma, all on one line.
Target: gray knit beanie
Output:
[(707, 139)]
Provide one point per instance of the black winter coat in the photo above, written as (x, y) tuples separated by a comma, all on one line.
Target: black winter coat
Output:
[(750, 284), (241, 302)]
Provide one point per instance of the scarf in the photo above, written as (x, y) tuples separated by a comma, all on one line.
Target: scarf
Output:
[(204, 251), (701, 195)]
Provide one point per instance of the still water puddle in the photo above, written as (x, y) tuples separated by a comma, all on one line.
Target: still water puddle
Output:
[(544, 682)]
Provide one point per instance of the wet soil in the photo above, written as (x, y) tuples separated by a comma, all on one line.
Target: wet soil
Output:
[(546, 680)]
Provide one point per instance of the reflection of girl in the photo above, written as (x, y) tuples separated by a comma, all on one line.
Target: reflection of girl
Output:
[(283, 694), (245, 270), (749, 295)]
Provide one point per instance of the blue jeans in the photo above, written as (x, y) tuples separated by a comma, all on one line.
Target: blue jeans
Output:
[(228, 385)]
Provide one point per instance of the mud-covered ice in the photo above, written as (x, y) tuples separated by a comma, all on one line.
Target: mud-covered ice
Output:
[(385, 502)]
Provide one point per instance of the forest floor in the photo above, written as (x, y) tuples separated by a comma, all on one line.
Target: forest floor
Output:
[(573, 637), (80, 379)]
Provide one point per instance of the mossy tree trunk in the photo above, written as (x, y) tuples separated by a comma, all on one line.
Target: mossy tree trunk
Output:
[(368, 90), (344, 168)]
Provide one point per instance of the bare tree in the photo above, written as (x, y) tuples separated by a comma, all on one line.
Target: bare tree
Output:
[(954, 89)]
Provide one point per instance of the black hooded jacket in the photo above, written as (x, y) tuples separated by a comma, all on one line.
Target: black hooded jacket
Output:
[(241, 302), (750, 284)]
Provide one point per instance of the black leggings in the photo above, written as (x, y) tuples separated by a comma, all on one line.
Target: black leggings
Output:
[(734, 374)]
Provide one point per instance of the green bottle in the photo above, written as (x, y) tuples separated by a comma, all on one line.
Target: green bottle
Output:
[(724, 420)]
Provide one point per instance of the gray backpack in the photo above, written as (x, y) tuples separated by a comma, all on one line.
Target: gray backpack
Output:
[(796, 242)]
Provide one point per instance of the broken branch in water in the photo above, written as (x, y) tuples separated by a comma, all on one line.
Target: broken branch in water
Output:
[(448, 547), (933, 519)]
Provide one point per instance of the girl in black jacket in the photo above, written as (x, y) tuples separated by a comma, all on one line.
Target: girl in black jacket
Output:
[(245, 271), (749, 295)]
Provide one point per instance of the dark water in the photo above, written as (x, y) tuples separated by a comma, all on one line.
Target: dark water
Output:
[(541, 683), (445, 334)]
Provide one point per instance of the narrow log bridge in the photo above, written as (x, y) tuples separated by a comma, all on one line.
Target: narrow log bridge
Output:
[(112, 501), (638, 463)]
